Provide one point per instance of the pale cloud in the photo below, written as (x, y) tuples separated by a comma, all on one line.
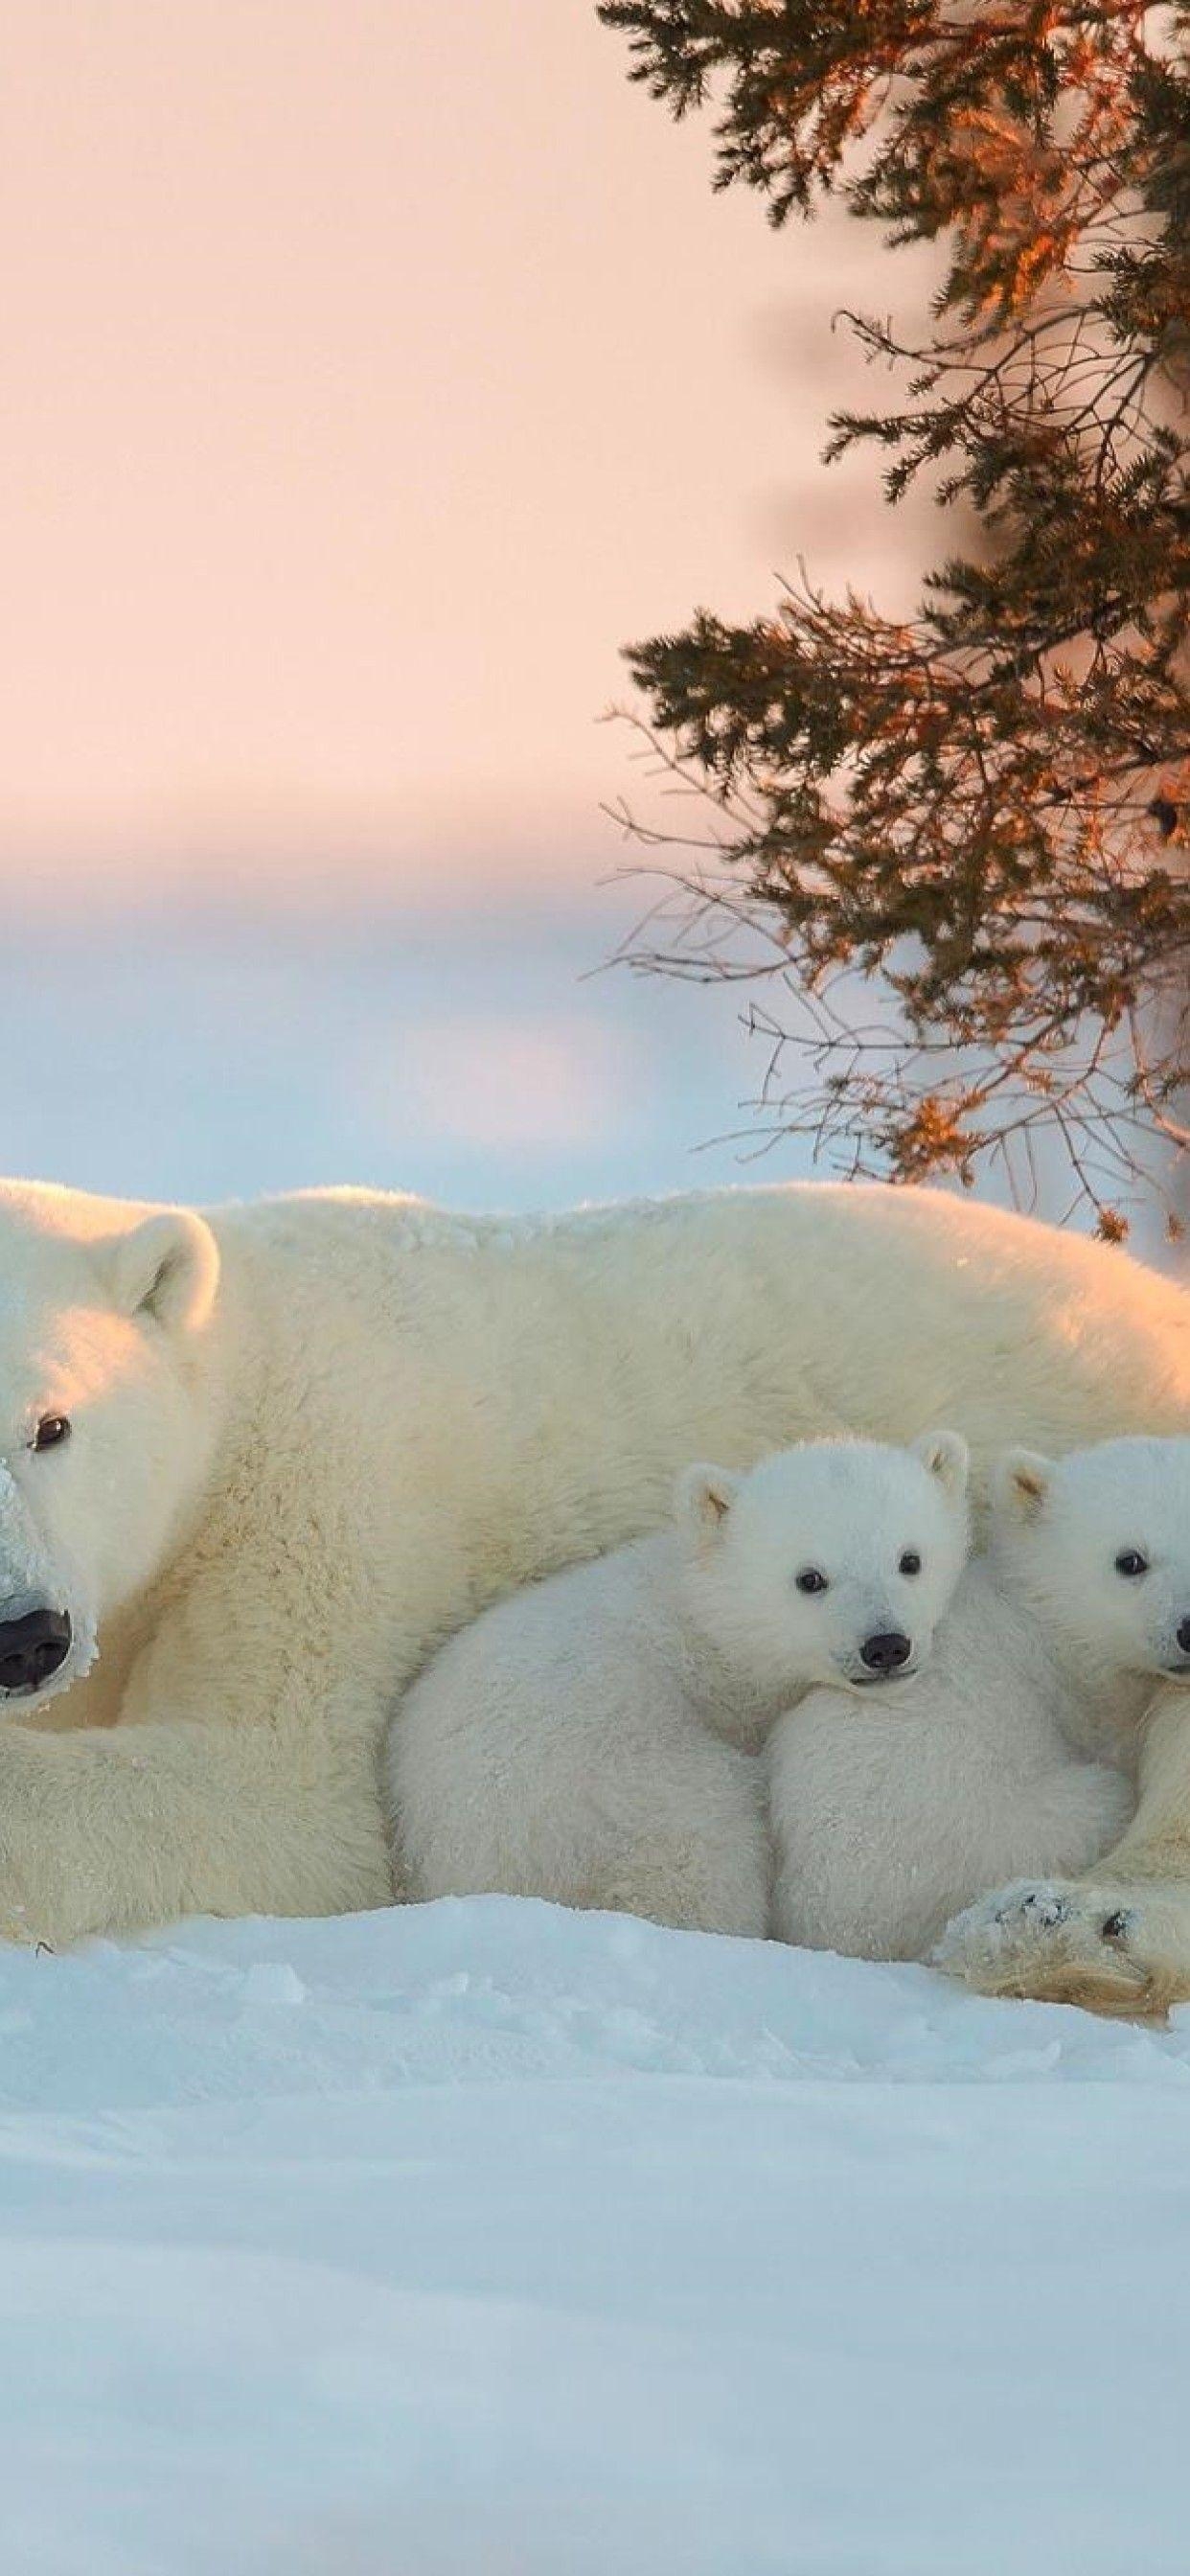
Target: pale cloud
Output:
[(508, 1082), (357, 408)]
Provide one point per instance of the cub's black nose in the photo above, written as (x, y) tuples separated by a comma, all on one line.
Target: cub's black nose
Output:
[(885, 1653), (1184, 1636), (32, 1648)]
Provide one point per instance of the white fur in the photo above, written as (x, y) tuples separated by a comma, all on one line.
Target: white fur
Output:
[(314, 1437), (559, 1747), (886, 1822)]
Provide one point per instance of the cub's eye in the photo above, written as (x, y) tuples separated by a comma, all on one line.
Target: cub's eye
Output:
[(51, 1431), (810, 1579), (911, 1561), (1131, 1562)]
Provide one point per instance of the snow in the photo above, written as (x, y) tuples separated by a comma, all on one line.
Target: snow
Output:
[(483, 2236), (476, 1057)]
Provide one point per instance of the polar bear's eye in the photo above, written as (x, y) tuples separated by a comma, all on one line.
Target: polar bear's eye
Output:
[(51, 1431), (911, 1561), (1131, 1562), (810, 1579)]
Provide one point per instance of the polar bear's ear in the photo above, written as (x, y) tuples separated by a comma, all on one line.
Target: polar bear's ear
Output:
[(945, 1454), (168, 1270), (703, 1498), (1022, 1482)]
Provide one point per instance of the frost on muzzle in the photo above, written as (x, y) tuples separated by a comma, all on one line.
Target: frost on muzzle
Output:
[(47, 1629)]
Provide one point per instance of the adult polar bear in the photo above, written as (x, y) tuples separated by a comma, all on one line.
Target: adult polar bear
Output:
[(309, 1438)]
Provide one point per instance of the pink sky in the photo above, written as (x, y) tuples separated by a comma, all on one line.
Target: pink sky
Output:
[(373, 368)]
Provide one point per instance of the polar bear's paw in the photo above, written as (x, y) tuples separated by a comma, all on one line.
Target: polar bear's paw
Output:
[(1123, 1950)]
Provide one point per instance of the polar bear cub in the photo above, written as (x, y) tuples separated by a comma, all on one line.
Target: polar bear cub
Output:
[(977, 1770), (589, 1739)]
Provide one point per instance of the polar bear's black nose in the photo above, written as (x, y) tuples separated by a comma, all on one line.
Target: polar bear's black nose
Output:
[(32, 1648), (883, 1654), (1184, 1636)]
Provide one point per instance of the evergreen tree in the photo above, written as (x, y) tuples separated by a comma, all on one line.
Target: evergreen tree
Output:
[(983, 811)]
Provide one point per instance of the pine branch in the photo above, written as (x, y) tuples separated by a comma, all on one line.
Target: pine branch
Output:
[(979, 815)]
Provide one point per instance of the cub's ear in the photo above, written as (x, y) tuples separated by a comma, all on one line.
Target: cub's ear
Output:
[(945, 1454), (168, 1270), (1021, 1483), (703, 1498)]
